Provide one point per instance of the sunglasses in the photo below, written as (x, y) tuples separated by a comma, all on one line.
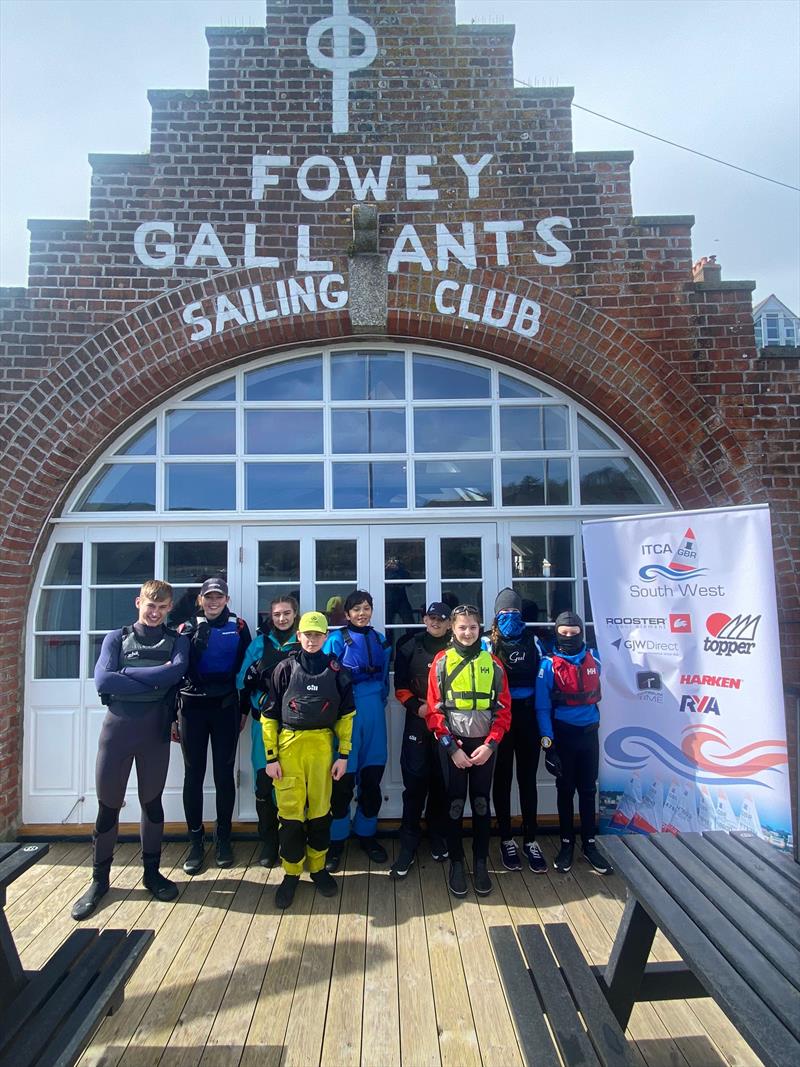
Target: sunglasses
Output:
[(466, 609)]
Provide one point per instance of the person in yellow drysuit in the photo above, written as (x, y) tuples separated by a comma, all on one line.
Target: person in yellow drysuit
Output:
[(310, 699)]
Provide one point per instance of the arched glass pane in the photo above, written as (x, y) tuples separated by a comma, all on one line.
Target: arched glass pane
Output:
[(296, 379), (533, 429), (59, 609), (535, 482), (289, 432), (201, 433), (378, 430), (451, 483), (512, 388), (201, 486), (121, 487), (369, 485), (436, 378), (225, 390), (65, 565), (368, 376), (590, 438), (453, 430), (284, 486), (613, 481), (143, 444)]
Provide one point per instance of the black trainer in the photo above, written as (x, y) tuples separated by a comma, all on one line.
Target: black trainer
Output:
[(536, 861), (284, 894), (481, 879), (161, 888), (326, 886), (563, 861), (193, 863), (457, 879), (223, 851), (594, 856), (86, 905), (333, 860), (439, 850), (374, 849), (403, 864)]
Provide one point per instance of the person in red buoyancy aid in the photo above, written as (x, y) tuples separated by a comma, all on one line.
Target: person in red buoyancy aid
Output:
[(568, 694)]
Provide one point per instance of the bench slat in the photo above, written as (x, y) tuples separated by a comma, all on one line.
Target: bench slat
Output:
[(105, 995), (573, 1043), (781, 862), (534, 1038), (763, 873), (604, 1030)]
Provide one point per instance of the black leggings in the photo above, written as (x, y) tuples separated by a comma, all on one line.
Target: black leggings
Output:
[(422, 782), (124, 739), (579, 751), (218, 724), (521, 741), (457, 782)]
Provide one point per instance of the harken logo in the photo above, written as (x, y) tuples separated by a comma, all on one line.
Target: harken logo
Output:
[(680, 624), (693, 704), (683, 560), (731, 635)]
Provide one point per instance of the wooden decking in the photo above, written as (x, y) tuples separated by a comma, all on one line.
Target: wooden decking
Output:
[(385, 974)]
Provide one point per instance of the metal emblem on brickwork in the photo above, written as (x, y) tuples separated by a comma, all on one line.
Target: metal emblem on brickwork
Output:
[(341, 63)]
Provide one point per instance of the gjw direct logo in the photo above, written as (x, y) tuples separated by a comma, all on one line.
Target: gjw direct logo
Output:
[(731, 636), (683, 560)]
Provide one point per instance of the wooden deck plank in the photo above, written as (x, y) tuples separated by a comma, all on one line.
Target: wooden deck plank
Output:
[(48, 871), (381, 1027), (419, 1037), (341, 1046), (45, 888), (189, 1037), (234, 1017), (458, 1041)]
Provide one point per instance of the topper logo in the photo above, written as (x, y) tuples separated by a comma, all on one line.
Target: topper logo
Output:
[(341, 63)]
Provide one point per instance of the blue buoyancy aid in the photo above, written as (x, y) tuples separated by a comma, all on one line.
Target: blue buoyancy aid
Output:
[(215, 648), (365, 655)]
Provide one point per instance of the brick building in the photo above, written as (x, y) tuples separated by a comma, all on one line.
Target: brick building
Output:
[(362, 314)]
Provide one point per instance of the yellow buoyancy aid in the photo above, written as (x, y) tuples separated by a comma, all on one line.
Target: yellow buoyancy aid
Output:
[(469, 684)]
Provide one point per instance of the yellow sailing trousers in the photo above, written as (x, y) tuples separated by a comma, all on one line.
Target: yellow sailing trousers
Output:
[(304, 798)]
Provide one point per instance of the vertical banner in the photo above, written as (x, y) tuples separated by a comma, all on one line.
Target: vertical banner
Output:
[(692, 726)]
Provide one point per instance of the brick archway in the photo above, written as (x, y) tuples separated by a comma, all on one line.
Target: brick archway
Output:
[(67, 419)]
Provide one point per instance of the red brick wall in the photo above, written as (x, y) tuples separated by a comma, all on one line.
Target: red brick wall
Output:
[(96, 337)]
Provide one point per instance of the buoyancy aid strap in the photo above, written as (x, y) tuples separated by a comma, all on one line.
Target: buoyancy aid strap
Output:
[(450, 676)]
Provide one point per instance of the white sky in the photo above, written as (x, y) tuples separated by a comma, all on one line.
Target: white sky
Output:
[(721, 76)]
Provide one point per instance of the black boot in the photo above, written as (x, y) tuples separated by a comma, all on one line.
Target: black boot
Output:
[(333, 860), (222, 848), (480, 877), (267, 832), (284, 894), (326, 885), (154, 880), (457, 879), (193, 863), (84, 906)]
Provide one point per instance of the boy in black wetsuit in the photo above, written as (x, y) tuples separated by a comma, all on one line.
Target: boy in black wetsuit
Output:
[(136, 675)]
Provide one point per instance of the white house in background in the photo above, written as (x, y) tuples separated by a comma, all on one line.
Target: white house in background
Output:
[(775, 323)]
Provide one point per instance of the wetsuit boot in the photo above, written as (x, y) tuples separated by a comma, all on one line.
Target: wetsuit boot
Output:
[(267, 832), (84, 906), (222, 848), (193, 863), (161, 888)]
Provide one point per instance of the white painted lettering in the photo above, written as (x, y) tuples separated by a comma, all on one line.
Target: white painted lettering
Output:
[(447, 245), (206, 244), (441, 289), (250, 257), (463, 307), (501, 228), (370, 184), (325, 163), (562, 254), (260, 173), (283, 303), (526, 324), (300, 293), (304, 260), (334, 299), (472, 171), (264, 315), (247, 304), (508, 310), (408, 236), (417, 185), (193, 316), (164, 256), (227, 312)]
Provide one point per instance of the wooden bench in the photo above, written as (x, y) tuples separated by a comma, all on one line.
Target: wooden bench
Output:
[(48, 1017), (558, 990)]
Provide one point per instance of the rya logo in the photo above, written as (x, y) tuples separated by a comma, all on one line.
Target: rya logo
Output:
[(697, 705)]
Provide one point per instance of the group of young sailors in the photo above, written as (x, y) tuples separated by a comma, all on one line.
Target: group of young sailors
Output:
[(475, 705)]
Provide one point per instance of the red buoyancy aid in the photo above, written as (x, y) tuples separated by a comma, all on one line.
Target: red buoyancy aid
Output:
[(575, 683)]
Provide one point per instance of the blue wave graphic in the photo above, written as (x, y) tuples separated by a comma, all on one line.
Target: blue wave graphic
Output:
[(650, 744), (657, 570)]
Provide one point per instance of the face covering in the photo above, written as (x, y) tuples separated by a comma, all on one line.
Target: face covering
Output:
[(569, 646), (510, 624)]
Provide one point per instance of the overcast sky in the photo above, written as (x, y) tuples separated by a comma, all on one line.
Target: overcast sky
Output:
[(721, 76)]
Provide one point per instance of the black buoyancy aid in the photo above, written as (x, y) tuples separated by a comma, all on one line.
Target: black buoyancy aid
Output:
[(419, 663), (273, 654), (311, 701), (575, 683), (364, 654), (134, 652), (521, 659)]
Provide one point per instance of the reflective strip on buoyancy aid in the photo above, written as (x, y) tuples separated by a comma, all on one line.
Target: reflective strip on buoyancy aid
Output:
[(468, 683), (358, 656), (136, 653), (311, 701), (218, 647), (575, 683)]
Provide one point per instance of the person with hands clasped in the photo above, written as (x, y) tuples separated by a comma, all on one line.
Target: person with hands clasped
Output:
[(567, 697), (310, 702), (469, 712), (209, 710), (275, 640)]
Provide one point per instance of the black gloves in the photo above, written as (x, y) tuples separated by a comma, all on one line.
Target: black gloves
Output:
[(552, 762), (252, 678)]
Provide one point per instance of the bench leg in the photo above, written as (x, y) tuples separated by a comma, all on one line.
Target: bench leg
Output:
[(12, 976), (623, 975)]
